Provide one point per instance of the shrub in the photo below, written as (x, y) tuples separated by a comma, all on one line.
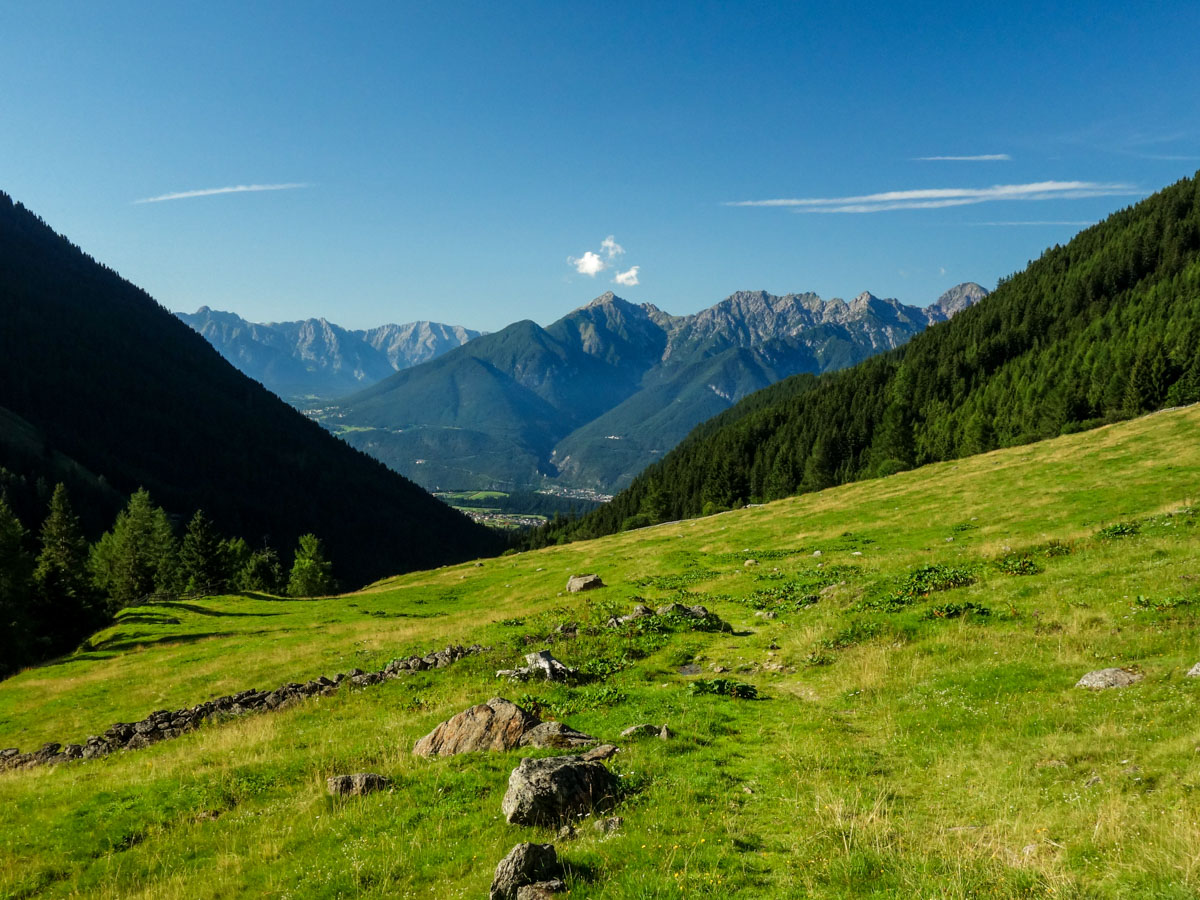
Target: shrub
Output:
[(724, 687), (1119, 530), (955, 610), (1017, 564)]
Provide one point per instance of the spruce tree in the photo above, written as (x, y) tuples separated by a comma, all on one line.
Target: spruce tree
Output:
[(202, 558), (262, 571), (138, 557), (312, 574), (64, 600)]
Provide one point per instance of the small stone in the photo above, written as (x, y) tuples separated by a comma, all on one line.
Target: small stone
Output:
[(750, 562), (767, 614), (665, 733), (577, 583), (555, 735), (640, 730), (1092, 782), (1108, 678), (1194, 671), (541, 890), (566, 833), (526, 864), (609, 825), (604, 751), (357, 785), (816, 553)]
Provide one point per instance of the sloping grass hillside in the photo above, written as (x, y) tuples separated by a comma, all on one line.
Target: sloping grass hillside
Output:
[(916, 730)]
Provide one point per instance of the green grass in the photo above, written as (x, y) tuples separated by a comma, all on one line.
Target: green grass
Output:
[(895, 749)]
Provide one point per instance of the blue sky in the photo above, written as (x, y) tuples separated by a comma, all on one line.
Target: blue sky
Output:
[(459, 162)]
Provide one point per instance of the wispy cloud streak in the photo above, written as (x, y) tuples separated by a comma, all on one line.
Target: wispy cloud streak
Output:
[(940, 198), (232, 189), (982, 157)]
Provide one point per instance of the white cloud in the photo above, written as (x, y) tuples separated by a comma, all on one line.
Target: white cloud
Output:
[(592, 263), (589, 264), (939, 198), (941, 270), (627, 279), (982, 157), (233, 189)]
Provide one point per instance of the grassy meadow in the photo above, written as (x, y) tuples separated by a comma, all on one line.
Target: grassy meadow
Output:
[(913, 642)]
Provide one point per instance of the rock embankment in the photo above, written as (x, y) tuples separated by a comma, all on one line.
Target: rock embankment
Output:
[(165, 724)]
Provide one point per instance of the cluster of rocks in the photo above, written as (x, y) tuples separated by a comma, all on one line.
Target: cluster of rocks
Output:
[(697, 612), (539, 664), (547, 791), (164, 724), (529, 872)]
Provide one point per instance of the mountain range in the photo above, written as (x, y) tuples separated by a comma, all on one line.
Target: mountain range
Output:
[(105, 390), (592, 399), (313, 359), (1104, 328)]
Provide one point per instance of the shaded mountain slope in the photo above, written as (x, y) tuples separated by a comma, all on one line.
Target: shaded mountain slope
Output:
[(113, 382), (1104, 328)]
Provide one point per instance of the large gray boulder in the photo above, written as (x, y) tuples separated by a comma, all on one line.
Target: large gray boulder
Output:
[(549, 791), (578, 583), (1108, 678), (498, 724), (525, 864)]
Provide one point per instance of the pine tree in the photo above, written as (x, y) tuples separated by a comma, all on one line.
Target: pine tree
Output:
[(262, 571), (65, 606), (312, 574), (202, 560), (138, 557)]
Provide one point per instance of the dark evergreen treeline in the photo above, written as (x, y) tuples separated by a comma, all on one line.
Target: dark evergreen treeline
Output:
[(1104, 328), (104, 390), (56, 588)]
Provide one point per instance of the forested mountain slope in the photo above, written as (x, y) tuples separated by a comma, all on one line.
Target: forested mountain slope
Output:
[(1104, 328), (98, 379)]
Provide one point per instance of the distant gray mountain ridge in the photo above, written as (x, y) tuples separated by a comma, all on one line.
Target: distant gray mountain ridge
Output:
[(315, 360), (590, 400)]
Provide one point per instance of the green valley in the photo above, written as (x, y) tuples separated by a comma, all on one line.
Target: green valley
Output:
[(903, 722)]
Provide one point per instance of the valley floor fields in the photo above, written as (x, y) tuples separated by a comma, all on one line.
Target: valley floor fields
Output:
[(906, 649)]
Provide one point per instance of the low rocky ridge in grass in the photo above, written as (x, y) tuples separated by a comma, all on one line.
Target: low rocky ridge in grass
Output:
[(871, 691)]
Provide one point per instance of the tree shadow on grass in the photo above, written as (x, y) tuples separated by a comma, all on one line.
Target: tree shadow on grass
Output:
[(129, 640), (205, 611)]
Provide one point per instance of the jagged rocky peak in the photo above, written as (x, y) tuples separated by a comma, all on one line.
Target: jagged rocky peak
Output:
[(960, 297)]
